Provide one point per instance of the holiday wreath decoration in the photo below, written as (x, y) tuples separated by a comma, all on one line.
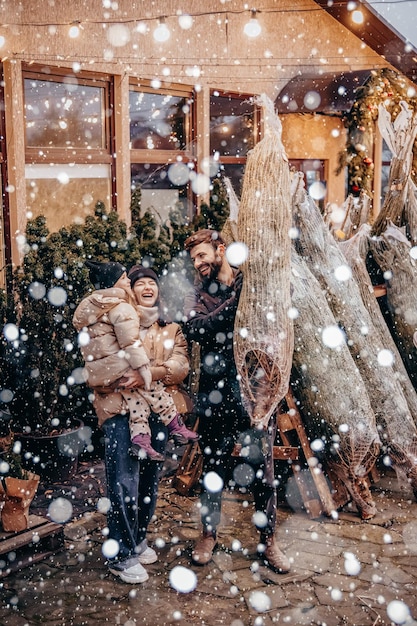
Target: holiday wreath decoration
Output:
[(383, 87)]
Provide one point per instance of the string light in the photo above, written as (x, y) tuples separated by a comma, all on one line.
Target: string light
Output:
[(161, 32), (185, 21), (253, 27), (74, 31), (357, 16)]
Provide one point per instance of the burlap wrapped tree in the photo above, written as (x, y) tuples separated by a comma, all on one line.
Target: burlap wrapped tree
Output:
[(263, 329), (336, 410), (400, 136), (325, 258)]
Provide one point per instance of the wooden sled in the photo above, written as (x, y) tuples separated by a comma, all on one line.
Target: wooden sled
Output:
[(189, 469)]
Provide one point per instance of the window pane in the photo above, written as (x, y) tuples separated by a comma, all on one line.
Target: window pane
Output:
[(158, 192), (64, 194), (234, 172), (314, 174), (385, 170), (386, 153), (158, 122), (64, 114), (231, 125), (2, 246)]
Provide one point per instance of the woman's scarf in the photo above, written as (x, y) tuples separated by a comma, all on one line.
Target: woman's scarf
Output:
[(147, 317)]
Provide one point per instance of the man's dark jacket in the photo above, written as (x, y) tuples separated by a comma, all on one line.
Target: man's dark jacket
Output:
[(211, 311)]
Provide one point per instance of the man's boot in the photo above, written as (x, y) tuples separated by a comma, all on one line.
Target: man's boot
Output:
[(204, 548), (272, 556)]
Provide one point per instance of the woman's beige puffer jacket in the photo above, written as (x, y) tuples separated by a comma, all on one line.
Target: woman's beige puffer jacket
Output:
[(165, 345)]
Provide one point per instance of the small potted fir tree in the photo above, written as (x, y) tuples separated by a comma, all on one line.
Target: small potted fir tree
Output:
[(17, 485)]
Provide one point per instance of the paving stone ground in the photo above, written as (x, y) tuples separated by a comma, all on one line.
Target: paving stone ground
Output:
[(344, 571)]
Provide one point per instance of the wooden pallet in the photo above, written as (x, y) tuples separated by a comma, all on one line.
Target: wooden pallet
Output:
[(316, 494), (18, 550)]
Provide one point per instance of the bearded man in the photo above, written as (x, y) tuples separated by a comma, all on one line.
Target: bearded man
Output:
[(210, 312)]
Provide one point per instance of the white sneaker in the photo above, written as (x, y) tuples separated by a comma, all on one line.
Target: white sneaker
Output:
[(147, 556), (133, 574)]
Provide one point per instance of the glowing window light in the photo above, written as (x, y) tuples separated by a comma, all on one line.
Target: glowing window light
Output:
[(161, 32), (252, 28)]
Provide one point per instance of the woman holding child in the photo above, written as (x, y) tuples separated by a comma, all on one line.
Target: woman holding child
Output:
[(110, 317)]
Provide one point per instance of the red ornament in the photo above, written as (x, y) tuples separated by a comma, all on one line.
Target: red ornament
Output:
[(355, 188), (367, 161)]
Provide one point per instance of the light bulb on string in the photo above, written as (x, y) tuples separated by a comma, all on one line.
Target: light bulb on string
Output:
[(252, 28), (185, 21), (357, 17), (161, 32), (74, 30)]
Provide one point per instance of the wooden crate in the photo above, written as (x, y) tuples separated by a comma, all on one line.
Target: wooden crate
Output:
[(18, 550)]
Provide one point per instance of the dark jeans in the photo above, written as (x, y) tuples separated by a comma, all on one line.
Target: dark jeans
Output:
[(220, 425), (132, 487)]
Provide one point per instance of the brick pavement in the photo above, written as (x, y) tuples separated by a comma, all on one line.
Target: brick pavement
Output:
[(345, 572)]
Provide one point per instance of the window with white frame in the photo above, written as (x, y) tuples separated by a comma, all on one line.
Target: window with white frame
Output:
[(68, 147)]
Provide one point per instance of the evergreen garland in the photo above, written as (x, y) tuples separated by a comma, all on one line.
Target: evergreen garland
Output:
[(383, 87)]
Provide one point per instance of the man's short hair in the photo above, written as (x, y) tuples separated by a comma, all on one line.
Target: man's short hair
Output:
[(205, 235)]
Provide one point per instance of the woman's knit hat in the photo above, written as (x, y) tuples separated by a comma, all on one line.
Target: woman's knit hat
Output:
[(104, 275), (139, 271)]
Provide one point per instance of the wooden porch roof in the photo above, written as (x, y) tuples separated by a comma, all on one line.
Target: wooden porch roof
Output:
[(330, 93), (376, 33)]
